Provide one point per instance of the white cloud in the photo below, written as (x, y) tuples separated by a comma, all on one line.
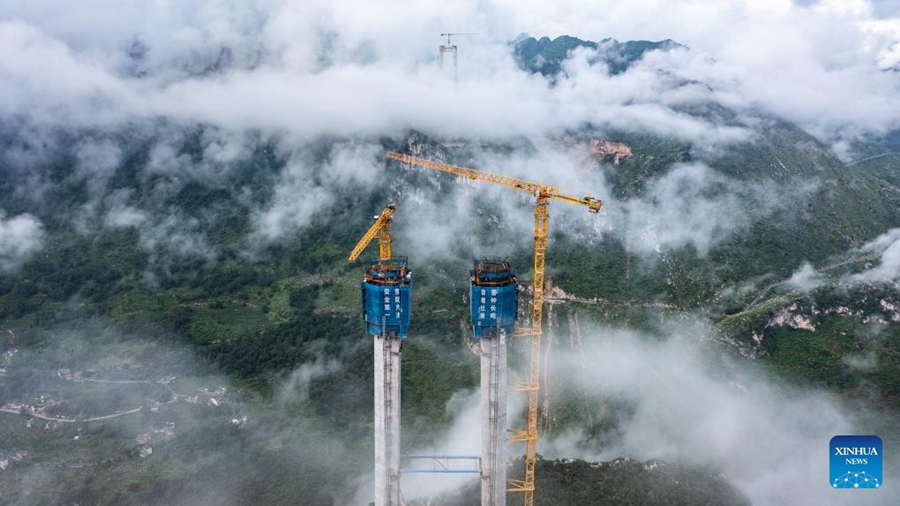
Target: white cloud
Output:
[(295, 202), (296, 388), (122, 215), (884, 250), (307, 186), (179, 235), (866, 362), (887, 247), (97, 162), (30, 80), (677, 403), (328, 70), (806, 278), (20, 237), (686, 206), (337, 68), (693, 205)]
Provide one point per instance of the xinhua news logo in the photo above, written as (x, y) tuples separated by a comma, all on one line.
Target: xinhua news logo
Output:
[(855, 462)]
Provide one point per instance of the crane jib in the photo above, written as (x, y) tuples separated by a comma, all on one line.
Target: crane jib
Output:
[(537, 190)]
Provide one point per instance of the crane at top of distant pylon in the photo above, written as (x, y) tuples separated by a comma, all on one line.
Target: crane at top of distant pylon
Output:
[(450, 48), (542, 194), (381, 229)]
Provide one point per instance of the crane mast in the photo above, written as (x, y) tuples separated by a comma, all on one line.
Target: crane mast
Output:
[(381, 229), (543, 194)]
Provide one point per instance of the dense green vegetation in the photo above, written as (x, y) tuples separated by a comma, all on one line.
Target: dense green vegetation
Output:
[(622, 482), (846, 341)]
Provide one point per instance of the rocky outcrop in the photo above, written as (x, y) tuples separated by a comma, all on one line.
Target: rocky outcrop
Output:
[(602, 150)]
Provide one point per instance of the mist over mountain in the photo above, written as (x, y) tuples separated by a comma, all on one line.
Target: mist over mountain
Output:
[(545, 55), (180, 186)]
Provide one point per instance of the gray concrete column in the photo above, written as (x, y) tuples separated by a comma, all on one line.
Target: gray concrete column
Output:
[(493, 421), (387, 421)]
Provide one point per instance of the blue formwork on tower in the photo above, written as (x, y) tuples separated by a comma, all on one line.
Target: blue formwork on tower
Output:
[(494, 298), (386, 295)]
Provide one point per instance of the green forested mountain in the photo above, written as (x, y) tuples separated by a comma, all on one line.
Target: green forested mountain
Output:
[(546, 56)]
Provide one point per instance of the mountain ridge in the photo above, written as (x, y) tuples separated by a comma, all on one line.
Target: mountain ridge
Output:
[(546, 55)]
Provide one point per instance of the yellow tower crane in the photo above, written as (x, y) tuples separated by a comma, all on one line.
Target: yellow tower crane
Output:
[(381, 229), (542, 194)]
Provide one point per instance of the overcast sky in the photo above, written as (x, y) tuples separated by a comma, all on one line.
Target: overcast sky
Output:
[(339, 67)]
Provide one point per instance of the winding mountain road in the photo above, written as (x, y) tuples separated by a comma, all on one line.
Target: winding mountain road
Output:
[(71, 420), (854, 162)]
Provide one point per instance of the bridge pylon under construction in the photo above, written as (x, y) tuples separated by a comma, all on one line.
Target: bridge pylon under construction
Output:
[(386, 308)]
